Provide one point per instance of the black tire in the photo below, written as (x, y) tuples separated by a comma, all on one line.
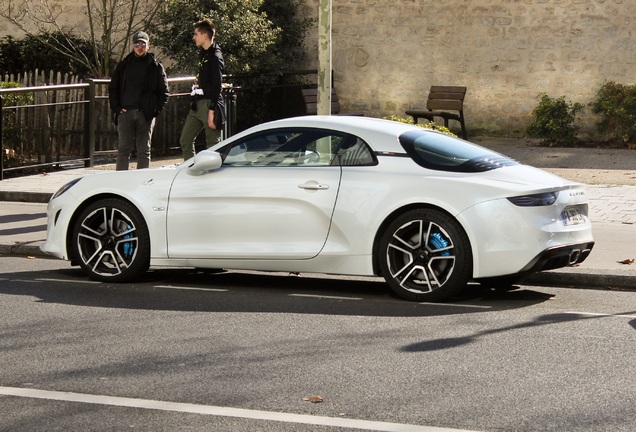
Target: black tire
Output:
[(111, 241), (425, 255)]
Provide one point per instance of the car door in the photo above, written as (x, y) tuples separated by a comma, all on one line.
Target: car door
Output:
[(273, 198)]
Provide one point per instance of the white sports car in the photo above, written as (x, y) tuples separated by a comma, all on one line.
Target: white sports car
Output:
[(329, 194)]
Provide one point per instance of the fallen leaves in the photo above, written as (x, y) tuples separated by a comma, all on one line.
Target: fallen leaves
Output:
[(626, 261), (313, 399)]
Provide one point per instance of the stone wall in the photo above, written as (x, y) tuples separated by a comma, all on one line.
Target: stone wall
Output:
[(72, 16), (387, 53)]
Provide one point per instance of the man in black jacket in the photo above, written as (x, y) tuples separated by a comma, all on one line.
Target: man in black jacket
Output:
[(138, 91), (208, 109)]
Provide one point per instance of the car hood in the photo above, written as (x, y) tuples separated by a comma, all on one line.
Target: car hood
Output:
[(149, 181)]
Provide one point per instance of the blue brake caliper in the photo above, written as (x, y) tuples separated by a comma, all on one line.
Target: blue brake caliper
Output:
[(437, 241), (129, 247)]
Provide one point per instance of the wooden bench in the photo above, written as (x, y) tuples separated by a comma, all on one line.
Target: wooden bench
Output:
[(310, 98), (441, 100)]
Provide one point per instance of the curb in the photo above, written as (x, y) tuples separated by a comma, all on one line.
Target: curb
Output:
[(33, 197), (579, 280), (23, 249)]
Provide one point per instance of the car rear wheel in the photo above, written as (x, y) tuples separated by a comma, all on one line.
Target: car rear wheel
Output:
[(425, 256), (111, 241)]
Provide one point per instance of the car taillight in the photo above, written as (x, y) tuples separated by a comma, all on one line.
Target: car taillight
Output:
[(535, 200)]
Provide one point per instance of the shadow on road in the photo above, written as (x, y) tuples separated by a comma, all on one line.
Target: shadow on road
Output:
[(196, 291), (549, 319)]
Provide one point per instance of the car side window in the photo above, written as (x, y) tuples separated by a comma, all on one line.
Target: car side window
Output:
[(296, 147), (354, 152)]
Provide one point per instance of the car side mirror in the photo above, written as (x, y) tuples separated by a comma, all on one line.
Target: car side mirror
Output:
[(204, 162)]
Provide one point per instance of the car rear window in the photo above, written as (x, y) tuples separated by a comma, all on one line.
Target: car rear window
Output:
[(445, 153)]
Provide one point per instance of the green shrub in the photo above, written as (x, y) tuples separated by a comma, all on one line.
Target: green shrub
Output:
[(554, 121), (430, 125), (616, 104)]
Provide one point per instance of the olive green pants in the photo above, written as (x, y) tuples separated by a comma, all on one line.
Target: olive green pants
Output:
[(196, 121)]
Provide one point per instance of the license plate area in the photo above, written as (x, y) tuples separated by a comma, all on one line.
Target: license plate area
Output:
[(573, 216)]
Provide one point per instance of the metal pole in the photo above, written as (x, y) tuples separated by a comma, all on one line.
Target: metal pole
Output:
[(1, 143), (230, 112), (233, 96), (324, 57), (89, 125)]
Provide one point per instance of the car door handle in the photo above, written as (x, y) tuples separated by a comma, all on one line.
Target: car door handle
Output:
[(313, 185)]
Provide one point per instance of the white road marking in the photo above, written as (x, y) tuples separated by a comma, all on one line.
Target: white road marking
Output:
[(326, 297), (457, 305), (184, 288), (599, 314), (68, 280), (220, 411)]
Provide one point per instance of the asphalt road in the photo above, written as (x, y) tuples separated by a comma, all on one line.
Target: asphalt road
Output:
[(241, 351)]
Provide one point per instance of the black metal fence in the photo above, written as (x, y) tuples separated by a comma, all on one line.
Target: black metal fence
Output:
[(57, 126), (51, 127)]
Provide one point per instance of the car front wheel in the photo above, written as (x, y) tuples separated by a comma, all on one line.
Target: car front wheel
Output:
[(111, 241), (425, 256)]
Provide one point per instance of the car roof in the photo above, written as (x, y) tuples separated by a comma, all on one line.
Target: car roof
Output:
[(381, 134), (348, 123)]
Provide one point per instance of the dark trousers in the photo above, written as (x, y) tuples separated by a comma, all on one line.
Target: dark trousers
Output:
[(134, 131)]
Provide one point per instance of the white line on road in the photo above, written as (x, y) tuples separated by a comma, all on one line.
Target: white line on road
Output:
[(220, 411), (68, 280), (599, 314), (184, 288), (326, 297), (457, 305)]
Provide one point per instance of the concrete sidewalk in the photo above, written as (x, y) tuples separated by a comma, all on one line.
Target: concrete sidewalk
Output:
[(612, 211)]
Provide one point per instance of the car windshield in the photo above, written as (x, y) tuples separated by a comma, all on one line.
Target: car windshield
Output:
[(445, 153)]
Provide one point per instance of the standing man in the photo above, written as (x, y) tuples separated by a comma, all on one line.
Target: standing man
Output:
[(138, 91), (208, 109)]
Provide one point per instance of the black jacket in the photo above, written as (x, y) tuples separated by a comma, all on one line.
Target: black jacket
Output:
[(209, 79), (155, 94)]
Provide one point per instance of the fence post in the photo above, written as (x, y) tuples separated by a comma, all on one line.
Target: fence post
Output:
[(230, 112), (1, 143), (234, 119), (89, 125)]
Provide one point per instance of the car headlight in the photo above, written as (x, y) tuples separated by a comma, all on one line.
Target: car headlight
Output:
[(66, 187), (535, 200)]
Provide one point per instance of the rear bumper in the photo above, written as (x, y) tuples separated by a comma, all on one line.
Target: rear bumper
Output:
[(558, 257)]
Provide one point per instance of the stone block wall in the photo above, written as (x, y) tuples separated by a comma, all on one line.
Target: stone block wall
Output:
[(72, 15), (387, 53)]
